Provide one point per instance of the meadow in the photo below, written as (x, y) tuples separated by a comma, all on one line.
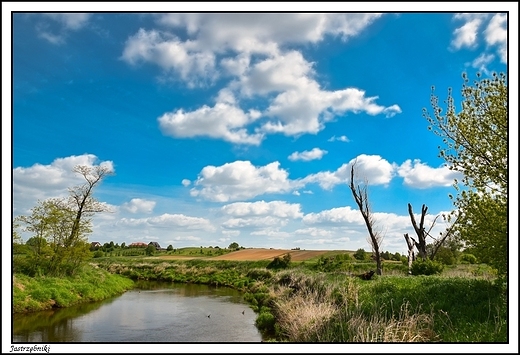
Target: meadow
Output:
[(318, 297)]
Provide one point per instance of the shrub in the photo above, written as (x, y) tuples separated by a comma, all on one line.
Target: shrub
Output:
[(265, 321), (280, 263), (360, 254), (98, 254), (426, 267), (468, 258)]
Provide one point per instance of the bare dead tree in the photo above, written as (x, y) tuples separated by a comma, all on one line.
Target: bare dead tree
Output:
[(419, 230), (438, 242), (361, 197), (411, 253)]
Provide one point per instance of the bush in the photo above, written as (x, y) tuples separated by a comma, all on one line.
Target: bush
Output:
[(265, 322), (426, 267), (360, 254), (280, 263), (98, 254), (468, 258)]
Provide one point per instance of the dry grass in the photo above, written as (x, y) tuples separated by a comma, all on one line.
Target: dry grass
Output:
[(408, 327), (303, 315)]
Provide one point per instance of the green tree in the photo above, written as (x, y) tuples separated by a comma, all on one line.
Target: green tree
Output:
[(360, 254), (476, 144), (150, 249), (65, 224), (233, 246), (170, 248)]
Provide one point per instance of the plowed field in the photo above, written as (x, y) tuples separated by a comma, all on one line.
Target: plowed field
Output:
[(258, 254)]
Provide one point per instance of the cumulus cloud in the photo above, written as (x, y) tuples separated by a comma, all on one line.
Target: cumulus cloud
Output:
[(186, 182), (419, 175), (466, 35), (340, 215), (194, 66), (137, 205), (307, 155), (222, 121), (46, 181), (240, 180), (496, 35), (373, 168), (167, 220), (254, 50), (261, 208)]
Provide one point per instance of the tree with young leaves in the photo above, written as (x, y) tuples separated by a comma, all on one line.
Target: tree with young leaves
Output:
[(475, 141), (375, 238), (64, 224)]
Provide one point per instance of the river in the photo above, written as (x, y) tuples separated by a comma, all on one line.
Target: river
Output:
[(152, 312)]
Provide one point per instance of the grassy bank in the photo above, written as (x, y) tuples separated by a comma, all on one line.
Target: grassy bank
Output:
[(41, 293), (304, 304)]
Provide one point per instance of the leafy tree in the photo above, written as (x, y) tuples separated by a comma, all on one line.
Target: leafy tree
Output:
[(150, 249), (233, 246), (65, 224), (360, 254), (170, 248), (476, 144)]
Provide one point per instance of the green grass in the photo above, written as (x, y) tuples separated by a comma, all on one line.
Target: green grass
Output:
[(90, 284)]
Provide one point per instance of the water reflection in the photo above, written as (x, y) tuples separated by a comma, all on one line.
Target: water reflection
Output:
[(153, 312)]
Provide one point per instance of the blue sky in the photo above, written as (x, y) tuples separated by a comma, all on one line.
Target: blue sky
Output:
[(239, 127)]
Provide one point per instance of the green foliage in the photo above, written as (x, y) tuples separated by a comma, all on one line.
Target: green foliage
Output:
[(265, 321), (426, 267), (98, 254), (334, 263), (169, 248), (476, 144), (361, 254), (280, 262), (468, 258), (150, 249), (446, 256), (233, 246)]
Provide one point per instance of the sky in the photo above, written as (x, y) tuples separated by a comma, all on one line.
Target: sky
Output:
[(243, 127)]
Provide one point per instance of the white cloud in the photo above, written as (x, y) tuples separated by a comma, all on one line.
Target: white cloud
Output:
[(340, 138), (466, 36), (340, 215), (482, 61), (137, 205), (373, 168), (222, 121), (496, 34), (315, 232), (419, 175), (254, 222), (47, 181), (186, 182), (167, 220), (240, 180), (280, 209), (252, 49), (67, 22), (307, 155)]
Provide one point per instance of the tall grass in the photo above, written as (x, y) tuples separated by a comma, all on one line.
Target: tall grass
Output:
[(90, 284)]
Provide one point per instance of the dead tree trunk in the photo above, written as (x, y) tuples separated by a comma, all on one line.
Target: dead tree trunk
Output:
[(419, 230), (411, 254), (375, 239)]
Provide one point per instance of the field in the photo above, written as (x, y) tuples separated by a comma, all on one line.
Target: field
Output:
[(256, 254)]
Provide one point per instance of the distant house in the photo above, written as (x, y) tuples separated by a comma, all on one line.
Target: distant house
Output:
[(95, 245), (138, 245), (156, 245)]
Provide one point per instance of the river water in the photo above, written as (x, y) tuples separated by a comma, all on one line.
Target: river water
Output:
[(153, 312)]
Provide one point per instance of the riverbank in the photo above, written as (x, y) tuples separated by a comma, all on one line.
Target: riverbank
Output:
[(89, 284)]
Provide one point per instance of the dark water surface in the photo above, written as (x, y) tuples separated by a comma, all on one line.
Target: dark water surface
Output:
[(154, 312)]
